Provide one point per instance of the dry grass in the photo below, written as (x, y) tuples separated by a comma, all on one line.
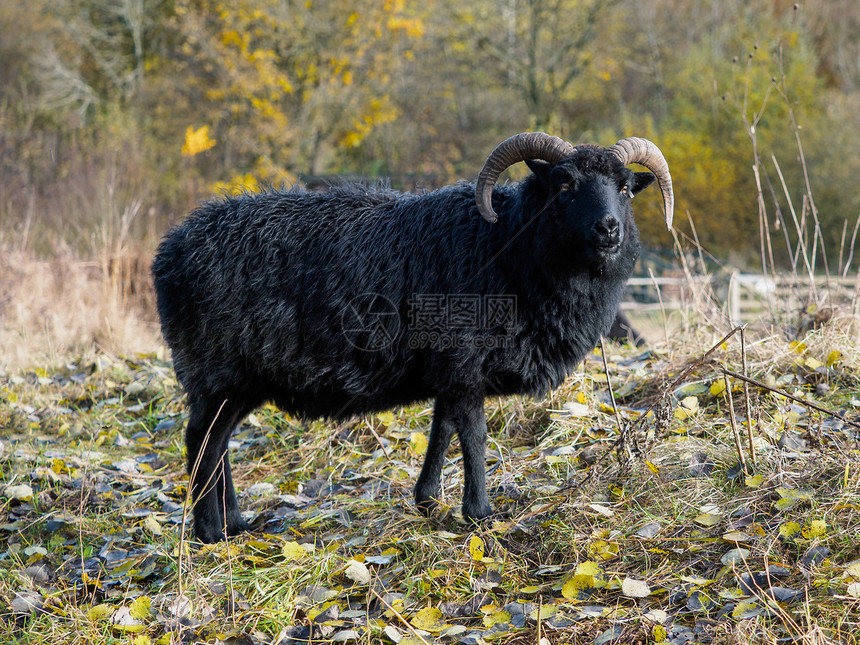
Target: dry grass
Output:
[(50, 309)]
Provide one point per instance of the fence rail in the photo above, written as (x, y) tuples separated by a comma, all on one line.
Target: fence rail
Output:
[(743, 297)]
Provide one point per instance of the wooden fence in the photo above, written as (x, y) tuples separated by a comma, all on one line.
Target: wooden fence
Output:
[(742, 297)]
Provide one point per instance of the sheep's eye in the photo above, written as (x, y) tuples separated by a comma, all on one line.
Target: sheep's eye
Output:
[(626, 191), (565, 188)]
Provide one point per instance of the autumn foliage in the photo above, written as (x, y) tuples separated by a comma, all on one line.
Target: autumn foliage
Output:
[(183, 98)]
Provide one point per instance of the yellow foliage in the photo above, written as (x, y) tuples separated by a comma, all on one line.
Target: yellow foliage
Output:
[(411, 27), (237, 185), (197, 141)]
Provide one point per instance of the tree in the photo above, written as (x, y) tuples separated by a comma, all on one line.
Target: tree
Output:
[(288, 85), (539, 47)]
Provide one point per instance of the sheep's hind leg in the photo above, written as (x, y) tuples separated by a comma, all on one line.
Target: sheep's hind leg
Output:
[(210, 424), (472, 430)]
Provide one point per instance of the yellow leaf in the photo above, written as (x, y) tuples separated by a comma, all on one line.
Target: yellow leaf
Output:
[(151, 524), (603, 550), (785, 504), (497, 617), (789, 530), (754, 481), (476, 548), (587, 578), (100, 612), (543, 612), (385, 418), (139, 608), (654, 469), (718, 387), (576, 588), (197, 141), (746, 609), (834, 357), (293, 551), (688, 407), (815, 528), (429, 619), (418, 441), (593, 569), (813, 363), (707, 519)]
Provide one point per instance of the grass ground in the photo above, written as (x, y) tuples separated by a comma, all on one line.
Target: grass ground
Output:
[(614, 525)]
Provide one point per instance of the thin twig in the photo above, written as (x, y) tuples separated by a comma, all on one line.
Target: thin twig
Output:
[(796, 399), (747, 396), (670, 388), (612, 397), (399, 615), (735, 434), (379, 440), (190, 502)]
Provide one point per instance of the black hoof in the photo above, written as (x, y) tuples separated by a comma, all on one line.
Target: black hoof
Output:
[(479, 514)]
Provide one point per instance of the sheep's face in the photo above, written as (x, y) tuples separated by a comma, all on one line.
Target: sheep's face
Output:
[(587, 214)]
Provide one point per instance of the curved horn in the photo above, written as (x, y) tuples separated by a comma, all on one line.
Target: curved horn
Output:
[(642, 151), (526, 145)]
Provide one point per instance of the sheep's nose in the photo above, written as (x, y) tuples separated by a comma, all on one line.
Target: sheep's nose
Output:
[(607, 231)]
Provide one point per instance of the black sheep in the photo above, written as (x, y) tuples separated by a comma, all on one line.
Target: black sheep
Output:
[(362, 298)]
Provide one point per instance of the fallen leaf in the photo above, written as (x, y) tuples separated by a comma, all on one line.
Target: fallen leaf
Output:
[(151, 524), (736, 536), (100, 612), (418, 442), (789, 530), (707, 519), (635, 588), (754, 481), (687, 408), (123, 620), (140, 608), (357, 572), (293, 551), (476, 548), (735, 557), (815, 528), (747, 609), (429, 619), (21, 492), (648, 531)]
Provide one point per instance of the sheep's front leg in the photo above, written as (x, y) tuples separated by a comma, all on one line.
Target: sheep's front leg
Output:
[(463, 414), (211, 421)]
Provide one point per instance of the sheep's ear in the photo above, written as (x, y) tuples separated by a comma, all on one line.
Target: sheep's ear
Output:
[(540, 169), (641, 181)]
